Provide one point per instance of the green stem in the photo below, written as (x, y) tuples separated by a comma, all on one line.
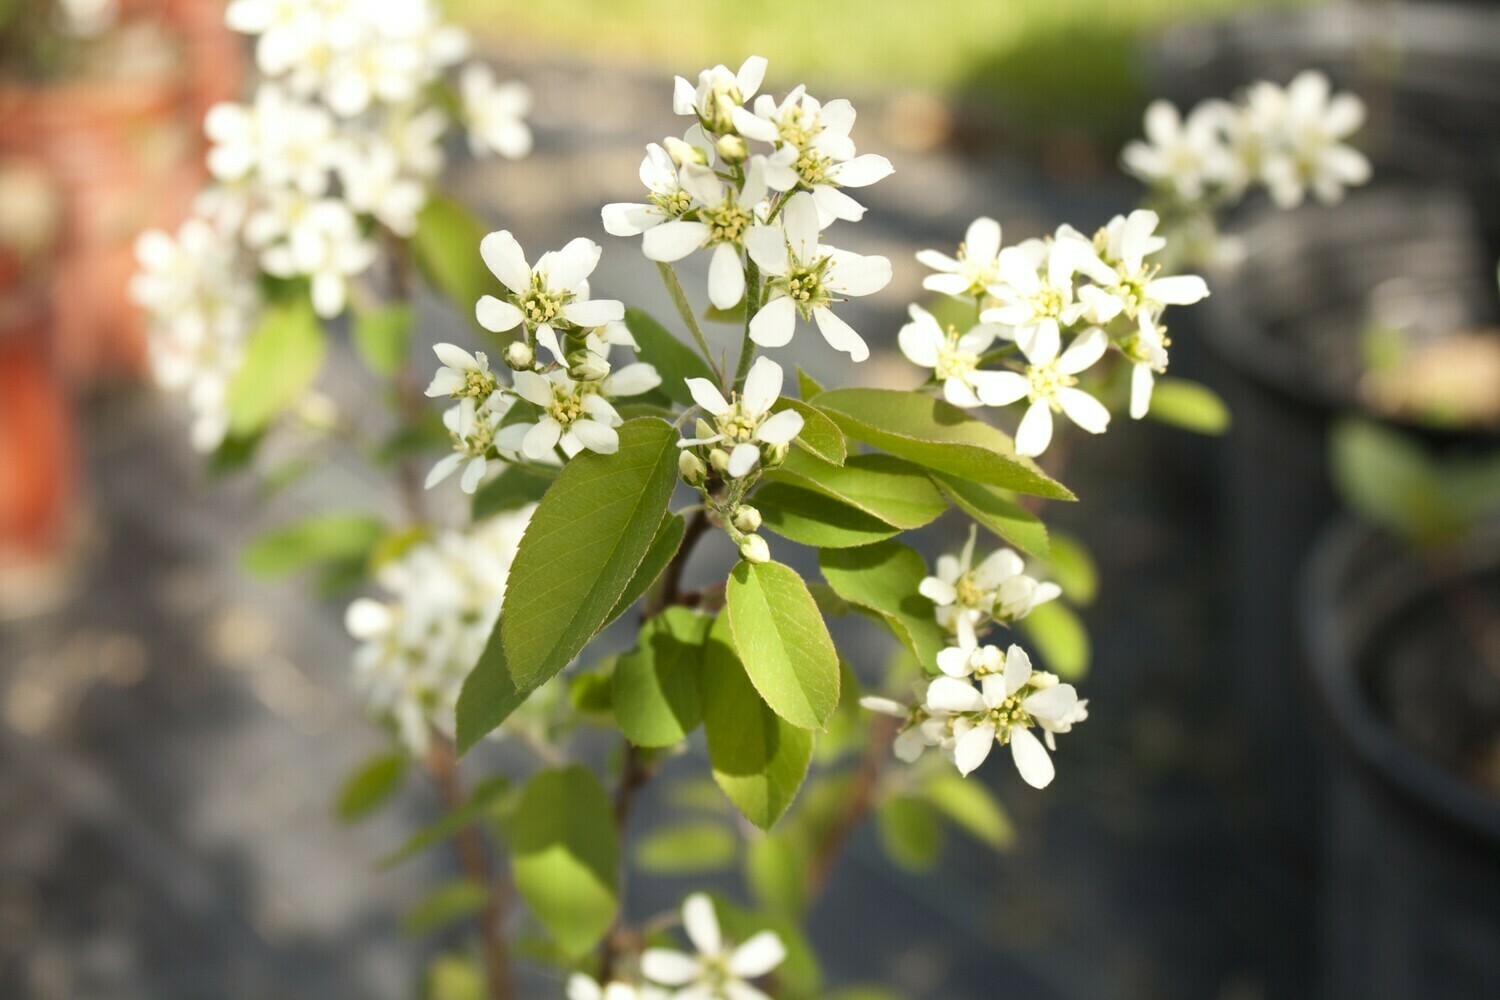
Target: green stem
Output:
[(685, 310), (752, 306)]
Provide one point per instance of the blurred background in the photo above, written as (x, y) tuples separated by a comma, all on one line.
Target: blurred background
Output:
[(1290, 784)]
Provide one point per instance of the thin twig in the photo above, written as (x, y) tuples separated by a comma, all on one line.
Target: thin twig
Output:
[(857, 806), (752, 306)]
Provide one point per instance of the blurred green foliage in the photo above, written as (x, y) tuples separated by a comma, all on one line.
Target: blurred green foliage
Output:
[(1038, 65)]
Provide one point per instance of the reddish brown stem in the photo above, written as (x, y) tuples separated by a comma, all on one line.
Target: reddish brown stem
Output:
[(856, 809)]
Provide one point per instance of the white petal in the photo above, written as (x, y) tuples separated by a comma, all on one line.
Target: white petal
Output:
[(1035, 432), (707, 395), (702, 924), (594, 312), (840, 335), (1000, 388), (1084, 410), (1142, 380), (672, 241), (445, 467), (752, 71), (863, 170), (757, 956), (629, 218), (473, 474), (496, 316), (800, 221), (774, 324), (780, 428), (762, 385), (1031, 758), (1052, 704), (959, 394), (833, 205), (767, 247), (743, 459), (597, 437), (726, 277), (939, 592), (567, 268), (949, 694), (973, 747), (954, 662), (982, 240), (853, 274), (1083, 352), (581, 987), (533, 388), (503, 256), (1017, 669), (444, 382), (541, 439), (1179, 290), (920, 339), (632, 380), (670, 968)]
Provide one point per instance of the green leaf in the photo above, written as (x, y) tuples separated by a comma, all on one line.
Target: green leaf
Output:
[(445, 905), (780, 638), (565, 856), (689, 848), (583, 545), (885, 578), (1073, 569), (776, 869), (884, 487), (673, 359), (972, 807), (813, 518), (664, 546), (1060, 638), (455, 977), (655, 689), (234, 453), (758, 759), (820, 435), (807, 386), (446, 249), (936, 435), (909, 832), (490, 693), (485, 796), (281, 361), (997, 512), (371, 784), (336, 536), (382, 336), (734, 315), (1189, 405), (515, 487)]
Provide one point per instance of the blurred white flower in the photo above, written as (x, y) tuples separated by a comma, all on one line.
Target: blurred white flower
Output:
[(953, 357), (668, 199), (746, 426), (718, 93), (496, 113), (976, 267), (1188, 157), (581, 987), (1050, 383), (806, 277), (1302, 130), (420, 641), (719, 970), (964, 595), (375, 184), (329, 249)]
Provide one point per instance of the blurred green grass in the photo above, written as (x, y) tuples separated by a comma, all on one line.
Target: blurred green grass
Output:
[(1038, 65)]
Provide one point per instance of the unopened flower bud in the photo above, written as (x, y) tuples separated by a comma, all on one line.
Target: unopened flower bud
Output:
[(719, 459), (691, 468), (519, 357), (586, 366), (754, 549), (773, 455), (747, 518), (732, 148), (684, 152)]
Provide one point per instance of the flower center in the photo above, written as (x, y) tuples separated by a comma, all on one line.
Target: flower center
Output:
[(726, 223), (970, 594), (541, 304), (1009, 713), (953, 362), (567, 405), (798, 128), (813, 168), (1046, 381), (478, 442), (804, 285), (982, 274), (478, 384), (674, 203), (738, 426)]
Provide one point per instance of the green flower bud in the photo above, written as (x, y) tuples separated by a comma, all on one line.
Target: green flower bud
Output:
[(753, 549), (691, 468), (519, 356), (684, 152), (732, 148), (747, 518), (773, 455), (585, 366), (719, 459)]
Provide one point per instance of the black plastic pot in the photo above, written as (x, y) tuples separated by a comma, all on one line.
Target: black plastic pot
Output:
[(1411, 849), (1286, 328)]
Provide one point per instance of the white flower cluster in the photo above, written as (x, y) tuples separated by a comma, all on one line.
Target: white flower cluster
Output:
[(344, 127), (197, 288), (985, 695), (1100, 292), (1290, 139), (760, 213), (421, 641), (567, 386)]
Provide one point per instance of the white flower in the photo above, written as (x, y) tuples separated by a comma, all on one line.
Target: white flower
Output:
[(953, 358), (746, 425), (420, 641), (472, 426), (1035, 289), (718, 93), (720, 970), (553, 294), (723, 216), (917, 734), (462, 374), (1187, 157), (1050, 383), (1304, 128), (976, 267), (970, 658), (964, 594), (814, 151), (328, 248), (574, 415), (1003, 709), (416, 137), (374, 183), (668, 199), (496, 113), (806, 277), (581, 987)]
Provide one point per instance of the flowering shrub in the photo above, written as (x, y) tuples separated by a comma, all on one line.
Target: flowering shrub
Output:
[(600, 451)]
